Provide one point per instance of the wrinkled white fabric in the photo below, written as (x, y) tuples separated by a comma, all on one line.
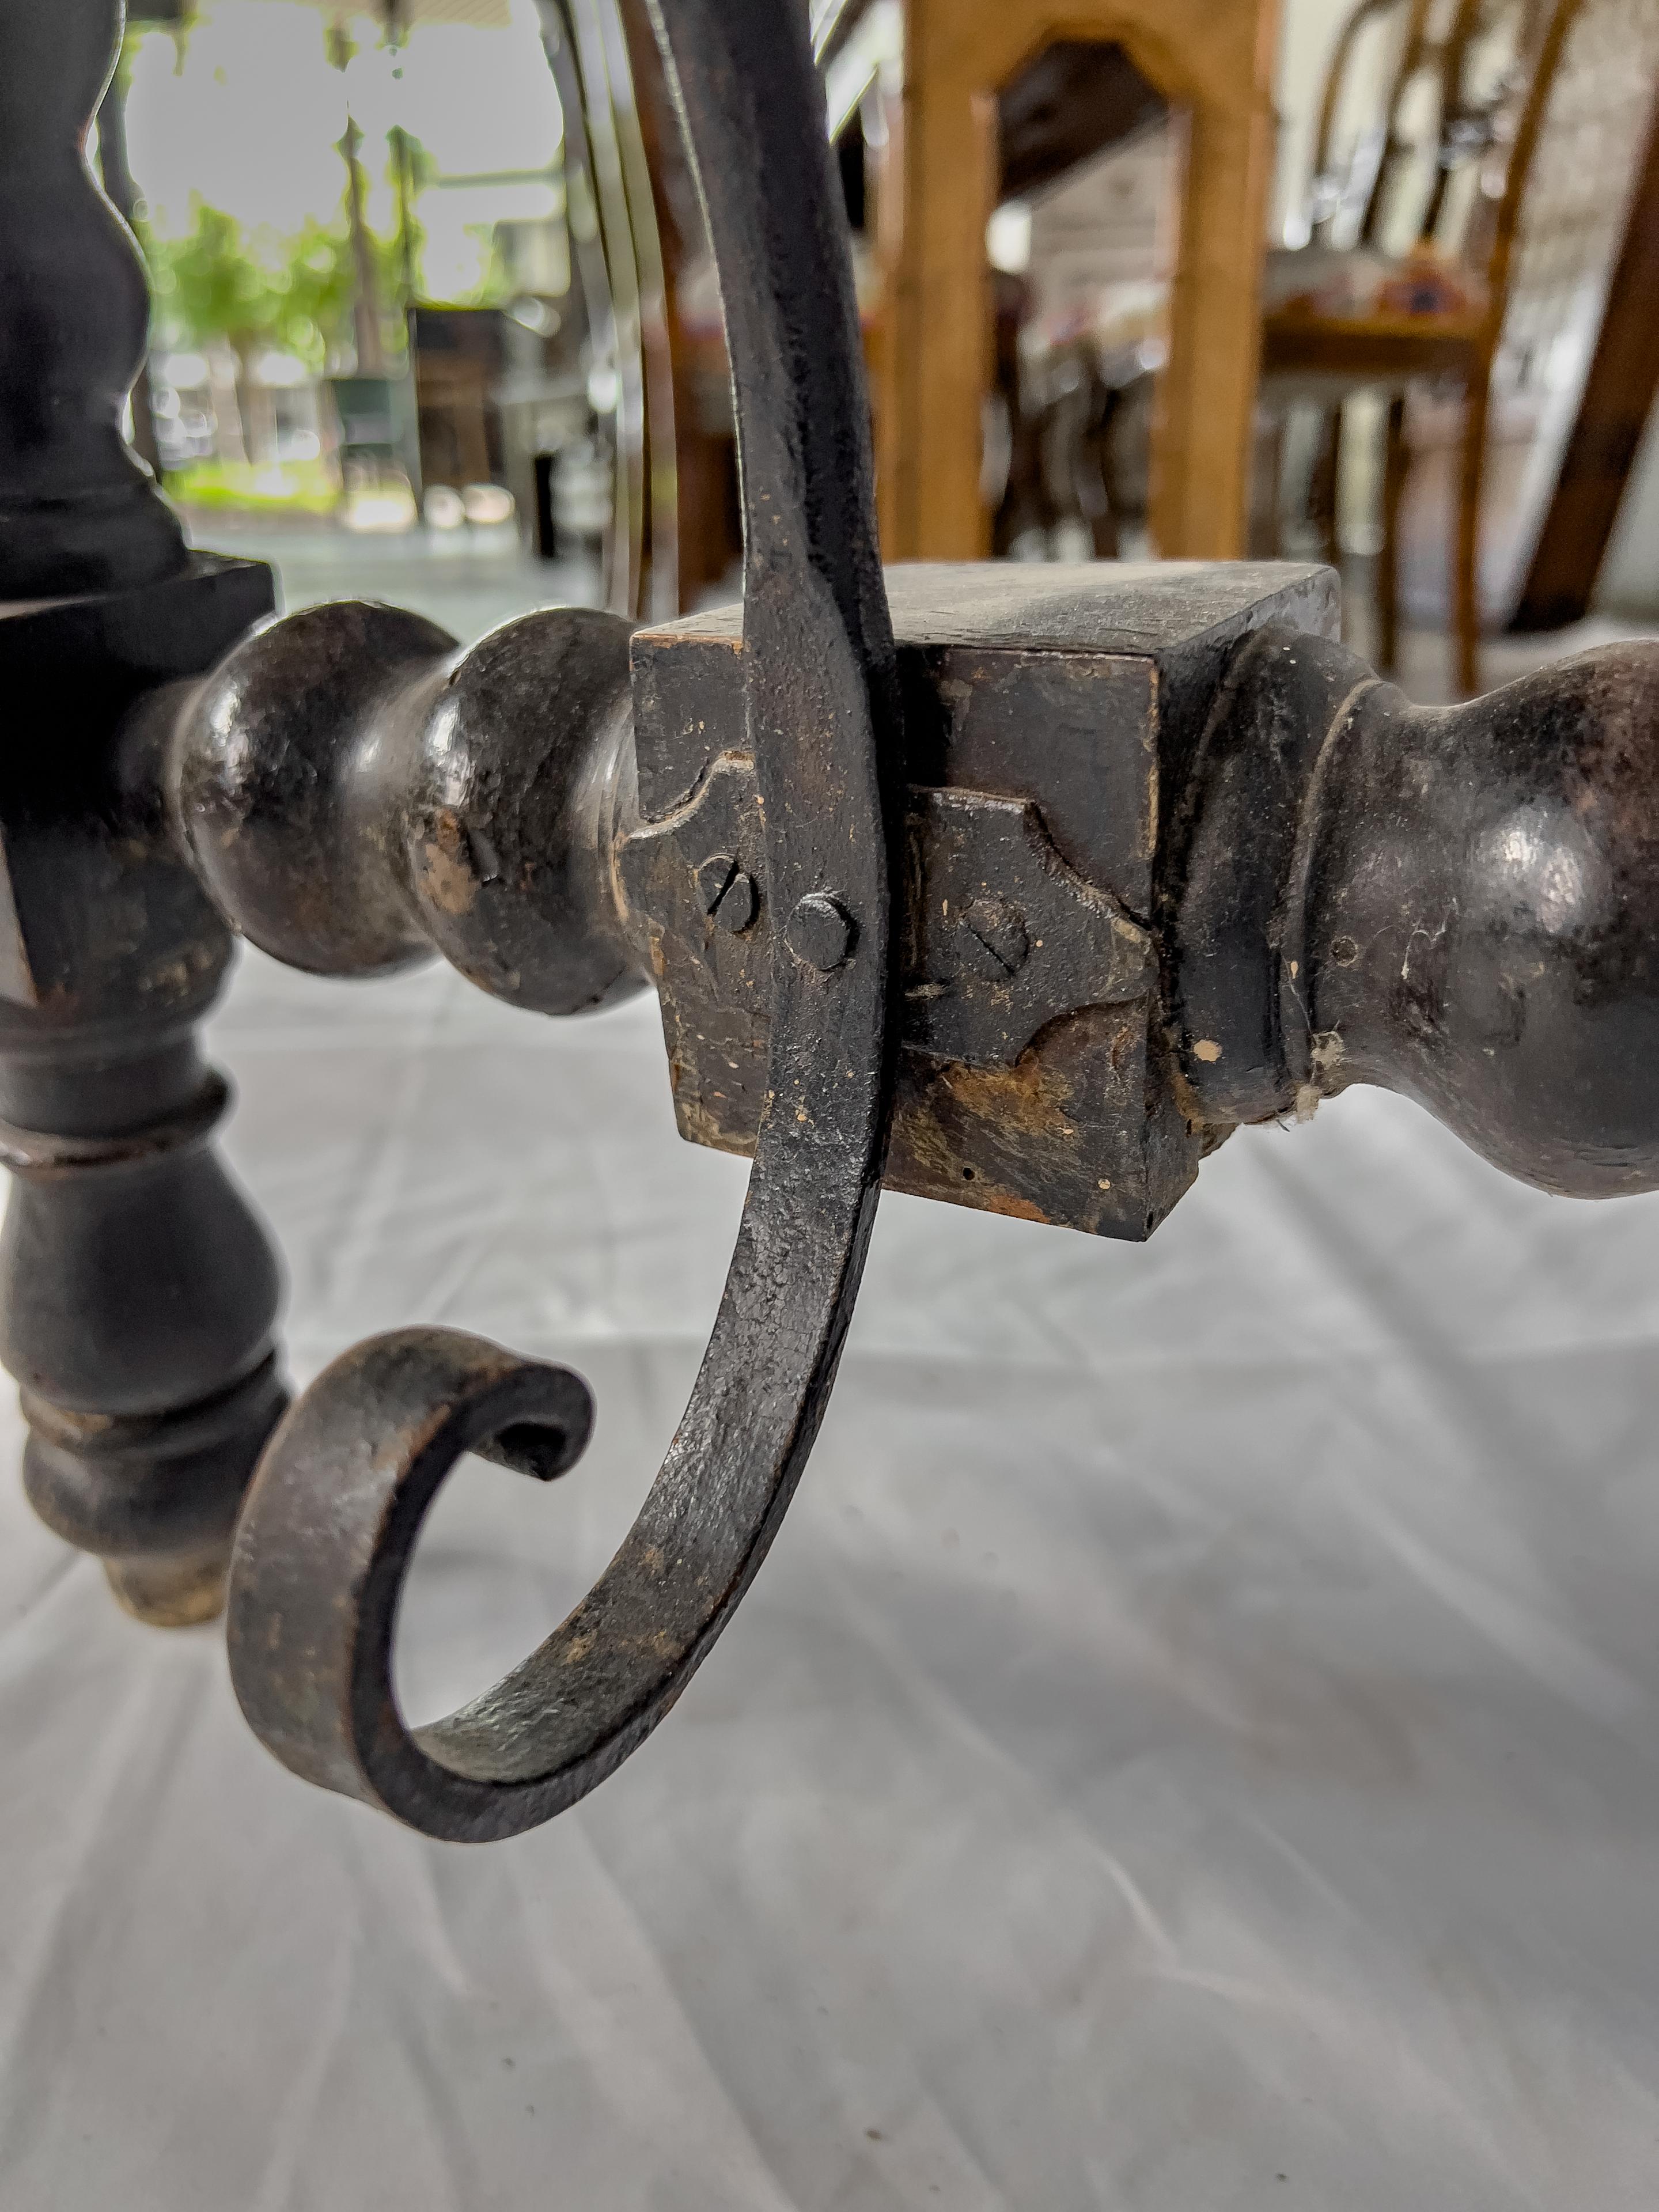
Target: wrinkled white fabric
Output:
[(1195, 1747)]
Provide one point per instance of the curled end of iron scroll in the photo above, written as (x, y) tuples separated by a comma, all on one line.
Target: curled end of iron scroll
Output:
[(335, 1509)]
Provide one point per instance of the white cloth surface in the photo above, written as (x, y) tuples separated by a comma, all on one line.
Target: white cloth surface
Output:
[(1195, 1747)]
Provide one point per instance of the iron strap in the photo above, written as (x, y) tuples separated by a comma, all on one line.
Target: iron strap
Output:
[(336, 1508)]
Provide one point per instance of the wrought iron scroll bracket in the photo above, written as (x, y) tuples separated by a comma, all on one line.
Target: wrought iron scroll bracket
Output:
[(332, 1515)]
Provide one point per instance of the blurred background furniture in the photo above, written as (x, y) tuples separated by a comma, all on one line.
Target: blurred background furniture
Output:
[(1079, 341), (1601, 452), (982, 116), (1071, 379), (1461, 252), (458, 357)]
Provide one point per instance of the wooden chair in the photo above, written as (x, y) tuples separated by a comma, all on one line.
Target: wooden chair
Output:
[(1525, 151), (943, 173)]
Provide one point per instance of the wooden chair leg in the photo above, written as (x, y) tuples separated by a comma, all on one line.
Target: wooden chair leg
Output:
[(1466, 580), (1265, 538), (1322, 488), (1396, 460)]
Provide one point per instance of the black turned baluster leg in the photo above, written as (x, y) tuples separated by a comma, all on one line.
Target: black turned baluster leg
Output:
[(137, 1291), (77, 511)]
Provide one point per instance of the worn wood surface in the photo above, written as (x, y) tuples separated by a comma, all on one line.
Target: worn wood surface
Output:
[(1050, 713)]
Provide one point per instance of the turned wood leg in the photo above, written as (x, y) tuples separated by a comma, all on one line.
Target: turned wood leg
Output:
[(1266, 531), (137, 1293), (1396, 458), (136, 1290), (1322, 486), (1466, 575)]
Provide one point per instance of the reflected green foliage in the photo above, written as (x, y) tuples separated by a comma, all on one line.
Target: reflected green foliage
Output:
[(258, 289), (293, 487)]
